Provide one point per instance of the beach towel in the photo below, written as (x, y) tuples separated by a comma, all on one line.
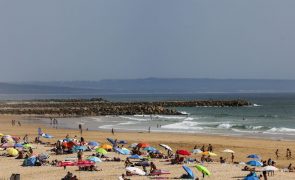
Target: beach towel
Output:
[(159, 172)]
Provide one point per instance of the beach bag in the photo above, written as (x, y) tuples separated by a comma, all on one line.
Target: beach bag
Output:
[(15, 177)]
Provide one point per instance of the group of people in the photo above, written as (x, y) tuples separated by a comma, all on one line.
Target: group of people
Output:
[(13, 123), (54, 122), (288, 153)]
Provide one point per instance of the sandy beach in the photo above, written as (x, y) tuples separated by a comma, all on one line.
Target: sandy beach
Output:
[(112, 170)]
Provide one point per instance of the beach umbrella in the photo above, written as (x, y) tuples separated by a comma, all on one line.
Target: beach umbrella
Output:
[(143, 145), (93, 143), (79, 148), (251, 178), (269, 168), (150, 149), (166, 147), (94, 159), (253, 156), (207, 153), (111, 141), (7, 145), (135, 156), (133, 145), (121, 151), (1, 134), (126, 151), (135, 170), (228, 151), (106, 146), (254, 163), (122, 142), (47, 136), (197, 151), (183, 152), (203, 169), (12, 152), (101, 151), (189, 172), (27, 146), (18, 145)]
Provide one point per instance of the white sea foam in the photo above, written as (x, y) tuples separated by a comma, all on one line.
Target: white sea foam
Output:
[(256, 105), (189, 119), (254, 127), (169, 117), (225, 126), (184, 125), (282, 129), (106, 126), (133, 118), (128, 122)]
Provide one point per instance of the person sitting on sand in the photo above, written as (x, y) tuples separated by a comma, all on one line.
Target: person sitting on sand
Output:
[(128, 163), (122, 177), (290, 168), (70, 176), (20, 155), (209, 159), (222, 161), (153, 167)]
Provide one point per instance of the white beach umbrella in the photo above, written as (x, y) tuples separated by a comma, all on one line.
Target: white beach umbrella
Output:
[(135, 170), (166, 147), (228, 151), (269, 168), (197, 151)]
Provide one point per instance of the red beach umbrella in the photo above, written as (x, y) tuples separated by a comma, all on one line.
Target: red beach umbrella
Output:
[(183, 152), (143, 145)]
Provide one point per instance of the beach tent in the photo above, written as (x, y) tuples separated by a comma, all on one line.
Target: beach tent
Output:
[(197, 151), (228, 151), (94, 159), (135, 156), (203, 169), (253, 156), (101, 151), (269, 168), (254, 163), (189, 172), (106, 146), (31, 161), (207, 153), (166, 147), (183, 152), (12, 152), (143, 145), (135, 170), (93, 143)]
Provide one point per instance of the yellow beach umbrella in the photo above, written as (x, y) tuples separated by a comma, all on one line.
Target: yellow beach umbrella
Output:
[(207, 153), (12, 152), (106, 146)]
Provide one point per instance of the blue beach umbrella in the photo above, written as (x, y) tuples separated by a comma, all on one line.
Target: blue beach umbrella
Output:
[(189, 172), (120, 151), (254, 156), (47, 136), (150, 149), (254, 163), (93, 143), (111, 141), (18, 145), (126, 151), (135, 156), (94, 159), (79, 148)]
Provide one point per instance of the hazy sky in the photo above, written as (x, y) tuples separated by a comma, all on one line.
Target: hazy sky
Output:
[(96, 39)]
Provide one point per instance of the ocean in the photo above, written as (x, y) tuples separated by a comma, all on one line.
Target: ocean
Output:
[(271, 116)]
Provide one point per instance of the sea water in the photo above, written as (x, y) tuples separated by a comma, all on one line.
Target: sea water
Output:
[(271, 115)]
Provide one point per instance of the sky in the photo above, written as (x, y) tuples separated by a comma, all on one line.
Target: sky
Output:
[(109, 39)]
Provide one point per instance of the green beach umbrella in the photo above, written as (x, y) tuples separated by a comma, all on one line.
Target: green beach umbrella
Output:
[(27, 145), (203, 170), (101, 151)]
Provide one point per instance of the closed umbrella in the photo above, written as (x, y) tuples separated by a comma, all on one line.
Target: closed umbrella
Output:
[(203, 169), (183, 152), (111, 141)]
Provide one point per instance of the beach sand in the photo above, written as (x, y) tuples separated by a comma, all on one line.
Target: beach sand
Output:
[(111, 170)]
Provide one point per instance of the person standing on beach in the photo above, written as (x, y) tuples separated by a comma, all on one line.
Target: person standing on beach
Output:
[(232, 157), (149, 129), (277, 153), (203, 148), (26, 139), (19, 124), (80, 128), (113, 133)]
